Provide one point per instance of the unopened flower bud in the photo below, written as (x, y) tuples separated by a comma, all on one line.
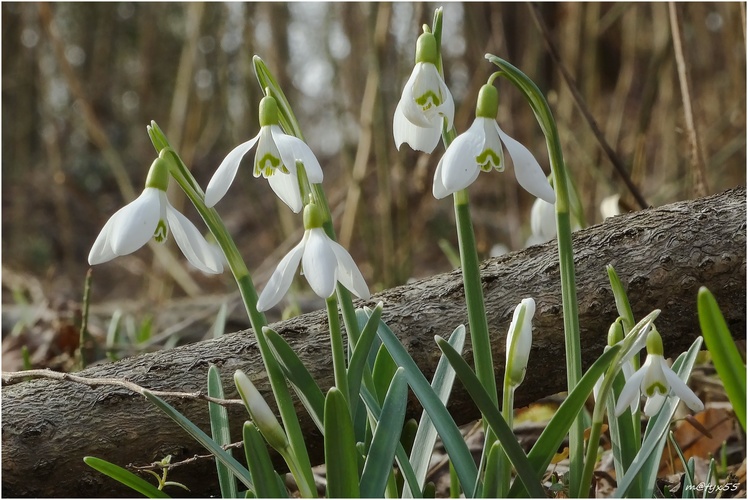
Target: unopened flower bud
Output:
[(261, 414)]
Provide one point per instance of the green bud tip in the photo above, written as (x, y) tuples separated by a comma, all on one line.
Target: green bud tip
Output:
[(426, 49), (654, 343), (313, 216), (158, 175), (488, 102), (615, 334), (268, 111)]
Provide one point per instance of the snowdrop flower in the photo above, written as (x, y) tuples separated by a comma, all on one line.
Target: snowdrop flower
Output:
[(150, 216), (480, 148), (275, 159), (656, 380), (324, 262), (615, 335), (519, 341), (543, 222), (425, 102)]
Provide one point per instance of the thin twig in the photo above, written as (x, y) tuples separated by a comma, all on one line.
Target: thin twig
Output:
[(14, 377), (579, 101), (698, 165), (187, 461)]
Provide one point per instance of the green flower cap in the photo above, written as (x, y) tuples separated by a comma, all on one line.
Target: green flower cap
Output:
[(313, 216), (268, 111), (615, 333), (488, 102), (158, 175), (426, 49), (654, 343)]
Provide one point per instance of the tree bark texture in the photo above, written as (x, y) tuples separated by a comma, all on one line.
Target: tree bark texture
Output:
[(662, 256)]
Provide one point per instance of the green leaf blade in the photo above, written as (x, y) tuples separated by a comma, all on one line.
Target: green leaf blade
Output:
[(125, 477), (340, 448)]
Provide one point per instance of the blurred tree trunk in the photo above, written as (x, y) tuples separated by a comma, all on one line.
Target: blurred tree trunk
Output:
[(662, 255)]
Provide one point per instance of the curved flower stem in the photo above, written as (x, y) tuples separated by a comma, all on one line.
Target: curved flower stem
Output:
[(257, 319), (565, 253)]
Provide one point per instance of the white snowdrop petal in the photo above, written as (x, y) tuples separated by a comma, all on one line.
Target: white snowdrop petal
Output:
[(224, 176), (630, 392), (681, 390), (527, 170), (294, 148), (418, 138), (286, 187), (348, 272), (192, 243), (282, 277), (101, 251), (460, 167), (653, 404), (134, 224), (319, 263)]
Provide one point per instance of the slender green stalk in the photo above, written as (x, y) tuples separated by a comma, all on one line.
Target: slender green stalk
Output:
[(565, 252), (507, 411), (474, 296), (338, 350)]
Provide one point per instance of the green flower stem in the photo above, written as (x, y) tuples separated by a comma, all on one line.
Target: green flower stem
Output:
[(257, 319), (565, 252), (507, 411), (338, 350), (476, 309)]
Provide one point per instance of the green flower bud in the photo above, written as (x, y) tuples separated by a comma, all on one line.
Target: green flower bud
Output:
[(268, 111), (426, 49), (488, 102), (615, 333), (313, 216), (158, 175), (261, 414), (654, 343)]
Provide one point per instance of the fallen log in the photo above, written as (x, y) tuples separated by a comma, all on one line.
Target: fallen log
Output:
[(662, 255)]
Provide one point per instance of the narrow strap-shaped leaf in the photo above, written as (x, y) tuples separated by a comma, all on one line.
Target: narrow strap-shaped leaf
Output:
[(260, 465), (725, 355), (553, 435), (125, 477), (341, 457), (492, 476), (647, 460), (402, 458), (238, 469), (386, 437), (622, 301), (624, 441), (443, 421), (423, 445), (219, 427), (495, 420), (360, 353), (306, 388)]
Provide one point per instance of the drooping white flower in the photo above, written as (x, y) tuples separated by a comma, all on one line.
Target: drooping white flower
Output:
[(481, 147), (324, 263), (425, 101), (543, 222), (656, 380), (275, 159), (519, 341), (151, 216)]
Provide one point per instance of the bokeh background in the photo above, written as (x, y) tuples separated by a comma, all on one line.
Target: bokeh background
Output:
[(80, 82)]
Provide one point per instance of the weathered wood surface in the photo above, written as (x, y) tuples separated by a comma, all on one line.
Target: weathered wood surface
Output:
[(662, 255)]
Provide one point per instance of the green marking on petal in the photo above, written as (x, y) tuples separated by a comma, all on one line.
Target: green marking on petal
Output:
[(488, 159), (161, 232), (656, 387), (267, 165), (428, 99)]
